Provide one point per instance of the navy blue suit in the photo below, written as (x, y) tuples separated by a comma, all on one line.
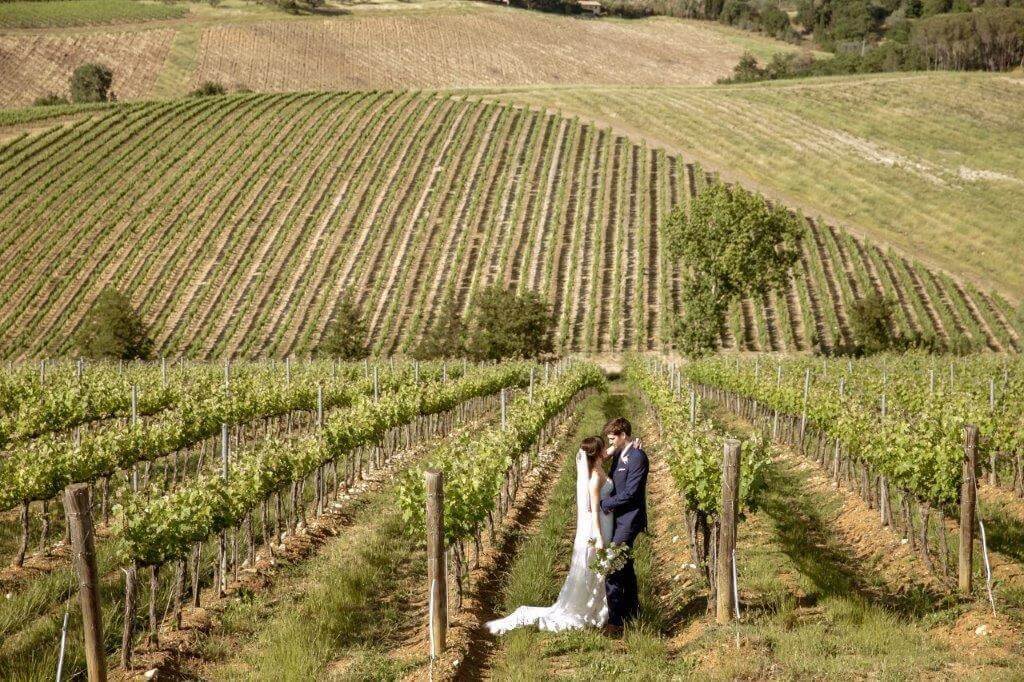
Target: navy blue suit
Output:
[(628, 504)]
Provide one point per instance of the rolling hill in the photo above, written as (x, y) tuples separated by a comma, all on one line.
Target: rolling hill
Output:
[(234, 222)]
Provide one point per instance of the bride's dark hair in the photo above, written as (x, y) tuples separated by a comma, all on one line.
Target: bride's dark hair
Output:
[(592, 446)]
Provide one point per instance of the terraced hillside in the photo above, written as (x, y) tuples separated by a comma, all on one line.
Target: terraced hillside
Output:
[(234, 222)]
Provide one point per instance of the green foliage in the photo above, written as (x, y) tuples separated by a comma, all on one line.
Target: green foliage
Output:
[(445, 337), (347, 333), (989, 38), (732, 243), (476, 465), (113, 329), (503, 324), (869, 321), (49, 100), (91, 83), (207, 89)]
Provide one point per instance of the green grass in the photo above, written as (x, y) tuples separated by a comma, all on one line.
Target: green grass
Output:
[(894, 156), (60, 13)]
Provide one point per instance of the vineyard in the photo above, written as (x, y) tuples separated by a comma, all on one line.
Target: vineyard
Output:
[(449, 45), (936, 177), (305, 499), (416, 202)]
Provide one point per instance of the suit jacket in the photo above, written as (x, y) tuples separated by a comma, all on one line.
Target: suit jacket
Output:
[(628, 501)]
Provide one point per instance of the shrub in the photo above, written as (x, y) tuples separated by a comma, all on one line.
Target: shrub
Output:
[(870, 318), (445, 337), (207, 89), (113, 329), (50, 99), (503, 324), (91, 83), (347, 334)]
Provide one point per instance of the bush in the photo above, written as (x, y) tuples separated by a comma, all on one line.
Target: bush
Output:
[(696, 333), (503, 324), (445, 337), (207, 89), (91, 83), (50, 99), (347, 334), (113, 329), (870, 318)]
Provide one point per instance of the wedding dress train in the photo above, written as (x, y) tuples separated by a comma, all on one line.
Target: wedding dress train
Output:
[(582, 602)]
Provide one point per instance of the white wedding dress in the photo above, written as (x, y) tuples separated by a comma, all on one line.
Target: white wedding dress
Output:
[(582, 601)]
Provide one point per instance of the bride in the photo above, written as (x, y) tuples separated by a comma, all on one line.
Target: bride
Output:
[(582, 601)]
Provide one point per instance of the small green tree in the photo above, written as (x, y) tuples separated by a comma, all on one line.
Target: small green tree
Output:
[(347, 333), (732, 244), (503, 324), (207, 89), (869, 321), (91, 83), (445, 336), (113, 329)]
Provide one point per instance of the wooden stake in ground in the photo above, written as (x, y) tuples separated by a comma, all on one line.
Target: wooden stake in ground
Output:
[(724, 590), (437, 581), (76, 511), (967, 501)]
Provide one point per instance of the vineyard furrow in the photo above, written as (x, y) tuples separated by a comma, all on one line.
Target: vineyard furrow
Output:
[(901, 295), (628, 271), (542, 225), (796, 318), (559, 287), (588, 264), (310, 271), (515, 255), (977, 318), (654, 260), (831, 281), (280, 243), (380, 125), (231, 262), (922, 296), (483, 144), (599, 332), (812, 298), (428, 192), (570, 291), (1008, 328)]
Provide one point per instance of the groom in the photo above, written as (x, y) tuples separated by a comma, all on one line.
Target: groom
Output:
[(628, 505)]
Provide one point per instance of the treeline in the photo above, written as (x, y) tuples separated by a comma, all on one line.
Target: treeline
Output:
[(989, 38)]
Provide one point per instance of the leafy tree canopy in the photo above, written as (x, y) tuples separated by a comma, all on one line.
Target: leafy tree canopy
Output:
[(347, 333), (91, 83), (113, 329), (504, 324)]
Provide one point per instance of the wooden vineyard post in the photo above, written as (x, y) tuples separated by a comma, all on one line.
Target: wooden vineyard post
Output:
[(967, 501), (803, 414), (725, 585), (437, 579), (693, 407), (76, 510), (222, 550), (503, 410)]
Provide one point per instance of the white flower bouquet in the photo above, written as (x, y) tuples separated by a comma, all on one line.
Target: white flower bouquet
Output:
[(608, 560)]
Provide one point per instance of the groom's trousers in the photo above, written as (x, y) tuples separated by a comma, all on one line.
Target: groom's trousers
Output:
[(623, 593)]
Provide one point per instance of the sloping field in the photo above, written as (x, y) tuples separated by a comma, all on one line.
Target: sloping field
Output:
[(35, 64), (450, 47), (929, 163), (234, 222)]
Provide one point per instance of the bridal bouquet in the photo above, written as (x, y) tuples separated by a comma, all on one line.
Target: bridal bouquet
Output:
[(609, 559)]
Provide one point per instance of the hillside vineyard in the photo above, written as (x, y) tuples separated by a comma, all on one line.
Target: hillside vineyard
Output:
[(235, 222)]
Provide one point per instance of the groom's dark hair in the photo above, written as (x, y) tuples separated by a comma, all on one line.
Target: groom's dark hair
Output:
[(618, 425)]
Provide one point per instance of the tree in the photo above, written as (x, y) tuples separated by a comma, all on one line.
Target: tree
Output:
[(732, 243), (208, 88), (91, 83), (503, 324), (347, 333), (445, 337), (113, 329), (869, 321)]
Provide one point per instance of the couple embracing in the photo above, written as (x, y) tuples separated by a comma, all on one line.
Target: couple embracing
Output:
[(611, 511)]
